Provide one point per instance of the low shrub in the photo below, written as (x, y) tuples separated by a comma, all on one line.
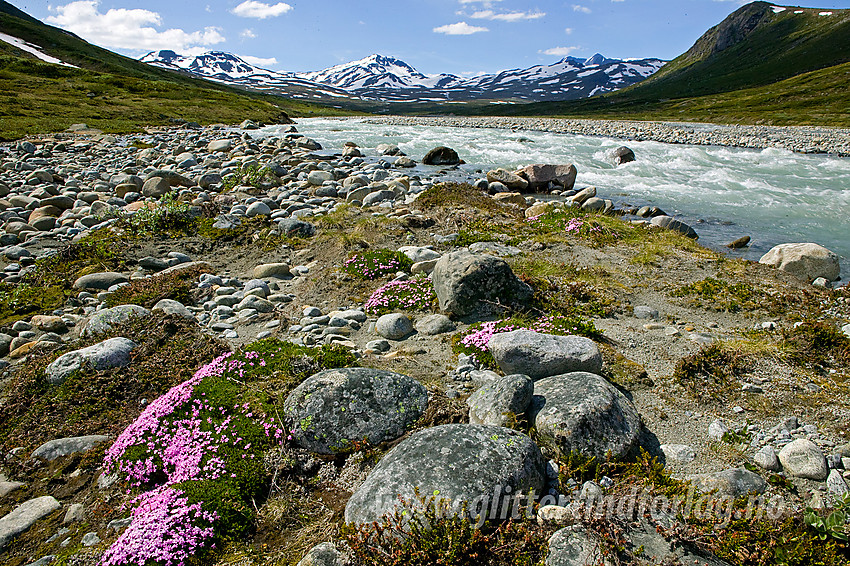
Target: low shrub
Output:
[(712, 371)]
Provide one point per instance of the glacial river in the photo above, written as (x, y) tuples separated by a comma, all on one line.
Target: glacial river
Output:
[(773, 195)]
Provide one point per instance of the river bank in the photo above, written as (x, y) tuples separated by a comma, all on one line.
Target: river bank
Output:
[(800, 139)]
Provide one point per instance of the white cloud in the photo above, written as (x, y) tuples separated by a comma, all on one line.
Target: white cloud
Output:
[(129, 29), (508, 16), (259, 10), (460, 28), (568, 31), (485, 3), (582, 9), (559, 51), (259, 61), (248, 34)]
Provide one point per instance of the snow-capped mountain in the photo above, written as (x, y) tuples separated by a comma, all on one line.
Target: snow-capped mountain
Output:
[(385, 79)]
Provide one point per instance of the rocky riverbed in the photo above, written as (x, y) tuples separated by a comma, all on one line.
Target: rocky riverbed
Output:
[(803, 139), (379, 334)]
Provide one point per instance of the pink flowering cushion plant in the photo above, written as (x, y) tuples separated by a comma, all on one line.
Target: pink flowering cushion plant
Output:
[(416, 293), (376, 263), (195, 454)]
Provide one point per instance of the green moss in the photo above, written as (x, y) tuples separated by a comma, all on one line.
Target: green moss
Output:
[(20, 300), (463, 195), (147, 292), (817, 343)]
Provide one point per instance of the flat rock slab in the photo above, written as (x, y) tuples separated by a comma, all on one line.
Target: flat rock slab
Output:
[(456, 464), (100, 281), (25, 516), (581, 412), (736, 482), (540, 355), (53, 449), (111, 353), (335, 408)]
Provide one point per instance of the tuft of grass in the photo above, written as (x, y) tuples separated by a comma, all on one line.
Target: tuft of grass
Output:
[(711, 372), (252, 175), (816, 344), (458, 195), (149, 291)]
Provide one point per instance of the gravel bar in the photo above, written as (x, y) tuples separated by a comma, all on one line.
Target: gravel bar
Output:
[(800, 139)]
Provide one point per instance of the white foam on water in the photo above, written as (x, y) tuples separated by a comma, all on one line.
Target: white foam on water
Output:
[(774, 195)]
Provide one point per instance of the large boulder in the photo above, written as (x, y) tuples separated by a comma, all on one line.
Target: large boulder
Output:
[(806, 261), (542, 177), (581, 412), (111, 353), (107, 319), (462, 280), (736, 482), (100, 281), (335, 408), (621, 155), (543, 355), (508, 178), (498, 402), (441, 156), (25, 516), (456, 464), (573, 546)]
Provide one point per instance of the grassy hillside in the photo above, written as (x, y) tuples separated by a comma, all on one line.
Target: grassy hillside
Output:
[(756, 66), (109, 91)]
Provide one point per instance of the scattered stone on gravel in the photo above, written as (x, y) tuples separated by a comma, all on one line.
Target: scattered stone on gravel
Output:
[(170, 306), (434, 324), (501, 402), (573, 546), (394, 326), (581, 412), (272, 270), (60, 447), (803, 458), (767, 459), (100, 281), (540, 355), (324, 554), (461, 464), (835, 483), (333, 409), (681, 453)]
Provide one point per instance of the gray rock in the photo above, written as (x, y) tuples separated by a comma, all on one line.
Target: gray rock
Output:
[(670, 223), (500, 401), (90, 539), (7, 487), (508, 178), (846, 330), (378, 345), (459, 464), (807, 261), (835, 483), (681, 453), (717, 429), (434, 324), (173, 177), (324, 554), (417, 253), (272, 270), (394, 326), (153, 263), (257, 303), (645, 313), (170, 306), (5, 343), (736, 482), (76, 513), (44, 560), (60, 447), (593, 204), (441, 156), (296, 227), (258, 208), (573, 546), (803, 458), (156, 187), (543, 355), (580, 197), (224, 145), (582, 412), (462, 280), (335, 408), (25, 516), (257, 285), (621, 155), (108, 319), (111, 353), (376, 197), (542, 177), (767, 459), (100, 281)]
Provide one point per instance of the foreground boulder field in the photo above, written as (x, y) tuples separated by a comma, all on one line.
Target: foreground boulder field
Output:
[(218, 347)]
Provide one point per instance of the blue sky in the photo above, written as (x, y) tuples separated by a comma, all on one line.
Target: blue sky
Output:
[(462, 37)]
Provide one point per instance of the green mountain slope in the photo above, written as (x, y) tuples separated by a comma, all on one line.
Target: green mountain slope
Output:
[(758, 65), (109, 91)]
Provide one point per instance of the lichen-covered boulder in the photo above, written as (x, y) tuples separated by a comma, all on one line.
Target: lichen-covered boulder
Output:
[(457, 465), (735, 482), (335, 408), (111, 353), (57, 448), (581, 412), (497, 402), (107, 319), (807, 261), (539, 355), (462, 280)]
